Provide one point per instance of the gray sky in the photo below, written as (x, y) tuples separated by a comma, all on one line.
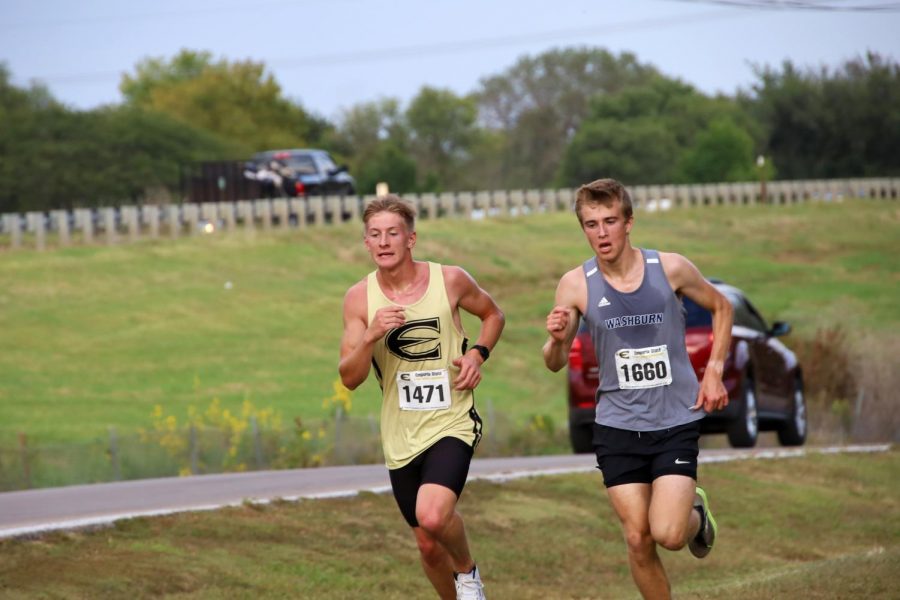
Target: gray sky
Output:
[(332, 54)]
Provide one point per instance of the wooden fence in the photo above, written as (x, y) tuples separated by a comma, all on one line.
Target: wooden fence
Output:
[(112, 225)]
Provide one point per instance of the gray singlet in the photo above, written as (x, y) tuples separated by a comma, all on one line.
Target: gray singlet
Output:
[(646, 379)]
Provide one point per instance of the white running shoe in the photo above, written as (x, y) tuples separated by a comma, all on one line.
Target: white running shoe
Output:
[(469, 586)]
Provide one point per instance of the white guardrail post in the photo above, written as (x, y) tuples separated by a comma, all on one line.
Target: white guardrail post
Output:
[(466, 204), (59, 220), (38, 226), (174, 220), (151, 220), (12, 226), (298, 208), (317, 204), (429, 201)]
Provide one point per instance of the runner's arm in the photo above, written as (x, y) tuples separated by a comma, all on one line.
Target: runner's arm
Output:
[(474, 300), (562, 322), (687, 280), (358, 341)]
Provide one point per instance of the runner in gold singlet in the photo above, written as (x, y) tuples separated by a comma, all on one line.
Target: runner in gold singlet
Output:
[(414, 365), (403, 321)]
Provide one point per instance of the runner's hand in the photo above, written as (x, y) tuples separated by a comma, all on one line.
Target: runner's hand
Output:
[(469, 372), (712, 395), (558, 322), (386, 318)]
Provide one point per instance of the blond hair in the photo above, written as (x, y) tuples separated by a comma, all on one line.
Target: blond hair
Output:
[(394, 204)]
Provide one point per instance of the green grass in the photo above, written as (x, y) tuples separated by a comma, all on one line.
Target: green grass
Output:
[(93, 337), (820, 527)]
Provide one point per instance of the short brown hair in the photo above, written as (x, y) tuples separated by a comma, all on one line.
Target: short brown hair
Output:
[(394, 204), (603, 191)]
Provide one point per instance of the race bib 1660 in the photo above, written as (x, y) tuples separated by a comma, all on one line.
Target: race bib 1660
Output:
[(639, 368)]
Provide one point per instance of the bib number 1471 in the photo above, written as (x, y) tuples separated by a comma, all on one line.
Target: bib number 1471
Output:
[(423, 390)]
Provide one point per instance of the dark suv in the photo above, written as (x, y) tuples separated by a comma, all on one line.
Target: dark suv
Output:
[(300, 172), (762, 376)]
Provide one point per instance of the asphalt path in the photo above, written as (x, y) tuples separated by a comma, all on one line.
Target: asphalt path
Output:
[(31, 512)]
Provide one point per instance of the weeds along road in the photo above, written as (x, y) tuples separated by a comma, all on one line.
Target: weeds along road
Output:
[(31, 512)]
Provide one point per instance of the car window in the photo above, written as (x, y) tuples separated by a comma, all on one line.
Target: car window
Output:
[(326, 164), (694, 314), (301, 163), (745, 315), (755, 317)]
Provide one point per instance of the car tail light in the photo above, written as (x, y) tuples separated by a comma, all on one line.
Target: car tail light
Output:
[(697, 340), (300, 188), (576, 363)]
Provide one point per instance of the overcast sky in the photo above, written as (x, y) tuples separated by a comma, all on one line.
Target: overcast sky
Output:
[(332, 54)]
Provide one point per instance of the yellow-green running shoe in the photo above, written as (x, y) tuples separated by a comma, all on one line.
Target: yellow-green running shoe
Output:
[(703, 542)]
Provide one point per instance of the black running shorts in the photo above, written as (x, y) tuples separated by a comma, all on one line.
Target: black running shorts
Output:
[(641, 456), (445, 463)]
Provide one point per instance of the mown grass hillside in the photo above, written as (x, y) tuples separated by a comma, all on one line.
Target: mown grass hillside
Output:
[(93, 337), (820, 527)]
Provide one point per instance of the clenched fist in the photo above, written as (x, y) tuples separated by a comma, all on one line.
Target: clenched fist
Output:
[(387, 318), (558, 322)]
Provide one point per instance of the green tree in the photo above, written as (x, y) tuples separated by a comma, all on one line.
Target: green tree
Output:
[(147, 150), (375, 137), (388, 164), (824, 123), (540, 102), (154, 73), (641, 135), (636, 151), (236, 101), (53, 157), (363, 127), (442, 129), (19, 110), (723, 152)]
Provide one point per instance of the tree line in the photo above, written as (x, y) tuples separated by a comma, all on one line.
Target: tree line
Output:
[(556, 119)]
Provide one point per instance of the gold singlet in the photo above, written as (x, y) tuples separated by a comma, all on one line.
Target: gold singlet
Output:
[(414, 366)]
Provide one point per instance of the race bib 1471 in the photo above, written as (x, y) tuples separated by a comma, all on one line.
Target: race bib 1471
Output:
[(423, 390)]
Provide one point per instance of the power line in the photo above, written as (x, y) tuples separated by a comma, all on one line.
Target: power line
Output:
[(807, 5), (497, 42), (439, 48)]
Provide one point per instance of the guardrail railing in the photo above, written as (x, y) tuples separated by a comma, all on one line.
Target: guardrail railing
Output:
[(113, 225)]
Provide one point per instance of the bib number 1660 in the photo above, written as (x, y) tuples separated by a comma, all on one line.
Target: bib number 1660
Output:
[(638, 368), (645, 372)]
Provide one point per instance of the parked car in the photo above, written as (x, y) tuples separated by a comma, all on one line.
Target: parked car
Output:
[(763, 377), (300, 172)]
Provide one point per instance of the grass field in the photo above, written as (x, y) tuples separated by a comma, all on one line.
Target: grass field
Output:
[(819, 527), (93, 337)]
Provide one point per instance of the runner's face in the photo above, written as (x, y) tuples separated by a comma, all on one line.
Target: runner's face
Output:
[(388, 240), (606, 229)]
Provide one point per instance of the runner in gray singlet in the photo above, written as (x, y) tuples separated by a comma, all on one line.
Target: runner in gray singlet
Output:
[(660, 394), (649, 402)]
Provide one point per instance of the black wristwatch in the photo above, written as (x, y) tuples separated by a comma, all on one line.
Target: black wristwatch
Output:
[(483, 351)]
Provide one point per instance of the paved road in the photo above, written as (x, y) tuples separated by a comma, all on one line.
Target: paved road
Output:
[(32, 511)]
